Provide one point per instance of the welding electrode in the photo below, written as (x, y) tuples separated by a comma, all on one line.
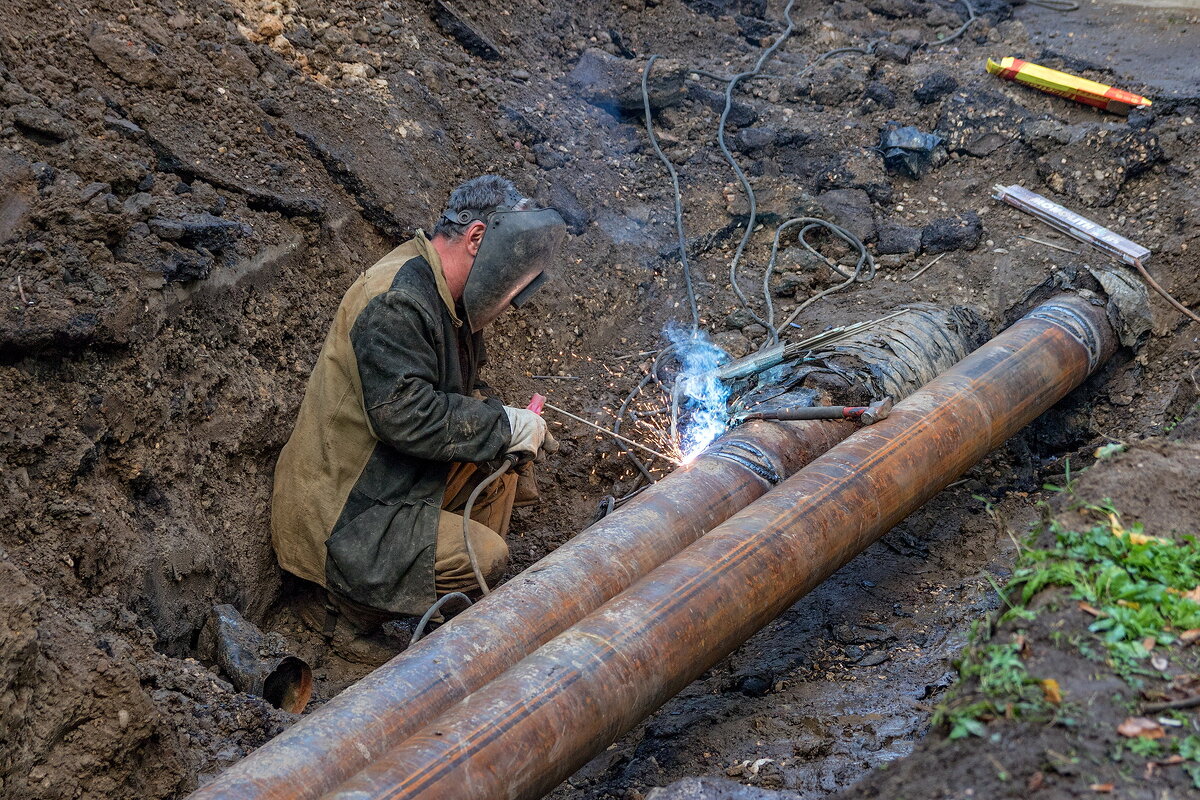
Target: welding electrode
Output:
[(867, 415)]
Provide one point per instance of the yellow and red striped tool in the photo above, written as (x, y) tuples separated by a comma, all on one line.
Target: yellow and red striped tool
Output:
[(1066, 85)]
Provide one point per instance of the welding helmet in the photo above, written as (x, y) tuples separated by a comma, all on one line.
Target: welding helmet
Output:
[(518, 247)]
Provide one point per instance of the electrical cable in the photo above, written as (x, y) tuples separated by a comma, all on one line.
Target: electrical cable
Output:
[(971, 17), (864, 268), (737, 169), (683, 257), (433, 609), (768, 323), (509, 460)]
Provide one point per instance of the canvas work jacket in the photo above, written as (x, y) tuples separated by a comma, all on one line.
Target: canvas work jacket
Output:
[(388, 408)]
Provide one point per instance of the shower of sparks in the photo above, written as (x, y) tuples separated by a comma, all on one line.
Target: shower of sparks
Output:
[(647, 420), (700, 403), (704, 414)]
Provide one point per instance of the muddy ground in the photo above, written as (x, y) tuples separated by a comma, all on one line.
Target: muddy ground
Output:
[(187, 188)]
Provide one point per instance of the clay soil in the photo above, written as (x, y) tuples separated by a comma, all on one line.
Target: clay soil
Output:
[(187, 188)]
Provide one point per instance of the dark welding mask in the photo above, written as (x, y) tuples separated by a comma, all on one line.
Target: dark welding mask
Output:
[(518, 248)]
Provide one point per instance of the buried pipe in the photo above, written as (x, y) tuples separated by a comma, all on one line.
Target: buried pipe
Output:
[(398, 698), (254, 662), (533, 726)]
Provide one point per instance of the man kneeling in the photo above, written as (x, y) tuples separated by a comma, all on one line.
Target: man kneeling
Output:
[(396, 429)]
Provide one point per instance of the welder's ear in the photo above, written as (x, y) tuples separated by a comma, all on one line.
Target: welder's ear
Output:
[(474, 236)]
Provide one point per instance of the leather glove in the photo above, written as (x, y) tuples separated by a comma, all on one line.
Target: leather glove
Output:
[(528, 431)]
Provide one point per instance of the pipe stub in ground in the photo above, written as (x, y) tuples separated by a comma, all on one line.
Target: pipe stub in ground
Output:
[(254, 662)]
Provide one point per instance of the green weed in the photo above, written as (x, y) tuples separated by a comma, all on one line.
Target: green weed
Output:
[(1135, 586)]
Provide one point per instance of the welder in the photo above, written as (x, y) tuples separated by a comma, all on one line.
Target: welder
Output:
[(396, 427)]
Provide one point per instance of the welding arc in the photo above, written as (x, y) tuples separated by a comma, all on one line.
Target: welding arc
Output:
[(607, 432)]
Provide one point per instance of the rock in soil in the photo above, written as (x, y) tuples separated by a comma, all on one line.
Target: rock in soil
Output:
[(615, 84), (850, 208), (962, 232), (895, 238)]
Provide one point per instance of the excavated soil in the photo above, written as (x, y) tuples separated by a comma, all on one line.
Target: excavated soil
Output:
[(186, 189)]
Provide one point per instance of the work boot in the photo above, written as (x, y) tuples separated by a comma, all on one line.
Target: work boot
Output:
[(527, 488), (359, 641), (371, 649)]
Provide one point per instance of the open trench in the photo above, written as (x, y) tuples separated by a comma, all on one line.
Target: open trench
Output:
[(840, 684)]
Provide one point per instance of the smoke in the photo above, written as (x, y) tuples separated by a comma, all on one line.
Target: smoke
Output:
[(704, 411)]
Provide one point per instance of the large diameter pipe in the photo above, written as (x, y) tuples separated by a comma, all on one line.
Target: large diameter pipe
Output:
[(380, 711), (530, 728), (397, 699)]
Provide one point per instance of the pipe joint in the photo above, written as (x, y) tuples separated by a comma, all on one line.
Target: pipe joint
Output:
[(1068, 318), (749, 457)]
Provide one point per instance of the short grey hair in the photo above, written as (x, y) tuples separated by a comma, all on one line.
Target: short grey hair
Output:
[(478, 194)]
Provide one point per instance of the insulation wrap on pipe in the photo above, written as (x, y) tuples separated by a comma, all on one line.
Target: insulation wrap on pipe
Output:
[(531, 727)]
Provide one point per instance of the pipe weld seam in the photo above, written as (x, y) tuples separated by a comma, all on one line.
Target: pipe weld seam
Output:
[(751, 458), (1075, 324)]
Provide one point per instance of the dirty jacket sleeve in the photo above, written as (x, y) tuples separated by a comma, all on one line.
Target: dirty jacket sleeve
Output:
[(397, 346)]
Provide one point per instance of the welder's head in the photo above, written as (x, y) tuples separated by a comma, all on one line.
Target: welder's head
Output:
[(513, 243)]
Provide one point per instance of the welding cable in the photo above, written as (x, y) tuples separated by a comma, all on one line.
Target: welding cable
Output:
[(716, 76), (433, 609), (864, 268), (971, 17), (660, 361), (731, 83), (509, 460), (737, 169), (683, 256), (772, 331), (864, 261)]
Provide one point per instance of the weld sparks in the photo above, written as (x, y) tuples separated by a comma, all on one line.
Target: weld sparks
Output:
[(701, 398)]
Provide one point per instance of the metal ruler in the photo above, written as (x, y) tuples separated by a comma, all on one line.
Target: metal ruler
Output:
[(1072, 224)]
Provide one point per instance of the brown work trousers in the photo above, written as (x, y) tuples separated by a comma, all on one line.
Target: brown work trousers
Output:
[(452, 571), (488, 529)]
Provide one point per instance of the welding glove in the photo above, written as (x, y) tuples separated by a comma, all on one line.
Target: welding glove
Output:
[(528, 432)]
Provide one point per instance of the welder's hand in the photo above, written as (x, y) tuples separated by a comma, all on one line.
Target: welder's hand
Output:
[(528, 431)]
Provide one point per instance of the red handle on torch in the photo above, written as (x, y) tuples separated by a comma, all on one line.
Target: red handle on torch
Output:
[(536, 404)]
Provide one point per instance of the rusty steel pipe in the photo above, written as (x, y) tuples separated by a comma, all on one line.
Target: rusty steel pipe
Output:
[(385, 707), (534, 725), (381, 710)]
